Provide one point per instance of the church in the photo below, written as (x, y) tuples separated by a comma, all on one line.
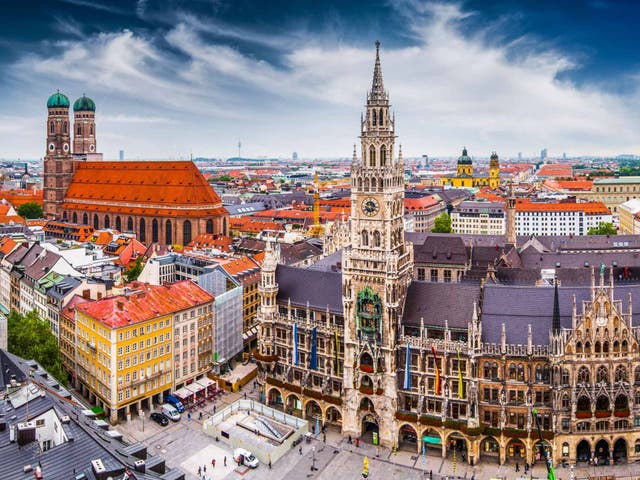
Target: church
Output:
[(169, 202), (465, 177), (454, 345)]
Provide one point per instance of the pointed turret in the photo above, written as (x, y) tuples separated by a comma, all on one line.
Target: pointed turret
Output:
[(377, 93), (556, 310)]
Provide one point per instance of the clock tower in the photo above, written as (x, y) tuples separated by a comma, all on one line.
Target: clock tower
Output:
[(376, 273)]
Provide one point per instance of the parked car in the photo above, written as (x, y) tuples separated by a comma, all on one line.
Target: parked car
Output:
[(175, 401), (171, 412), (245, 457), (160, 419)]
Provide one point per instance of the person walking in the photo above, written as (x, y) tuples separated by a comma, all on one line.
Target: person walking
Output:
[(225, 461), (199, 471), (430, 474), (213, 463), (517, 467), (300, 450)]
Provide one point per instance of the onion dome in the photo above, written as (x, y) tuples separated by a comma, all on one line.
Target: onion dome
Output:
[(58, 100), (464, 159), (84, 104)]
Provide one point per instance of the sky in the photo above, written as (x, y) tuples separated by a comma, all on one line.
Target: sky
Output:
[(172, 78)]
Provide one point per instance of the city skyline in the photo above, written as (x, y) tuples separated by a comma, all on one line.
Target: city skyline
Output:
[(173, 81)]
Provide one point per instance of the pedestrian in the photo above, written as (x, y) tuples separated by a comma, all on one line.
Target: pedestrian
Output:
[(200, 417), (245, 395), (349, 441), (205, 469), (430, 474), (213, 463), (269, 464), (214, 409), (324, 437), (357, 442), (225, 461), (189, 416), (300, 450), (199, 471), (517, 467)]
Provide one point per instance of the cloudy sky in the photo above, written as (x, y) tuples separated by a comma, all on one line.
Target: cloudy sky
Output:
[(173, 77)]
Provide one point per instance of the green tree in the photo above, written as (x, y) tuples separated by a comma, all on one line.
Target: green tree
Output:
[(31, 338), (442, 223), (30, 210), (605, 228), (133, 272)]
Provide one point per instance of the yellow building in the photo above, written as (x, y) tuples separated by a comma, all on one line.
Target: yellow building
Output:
[(612, 191), (124, 355), (464, 173)]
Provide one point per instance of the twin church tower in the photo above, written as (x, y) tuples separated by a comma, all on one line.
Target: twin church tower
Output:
[(60, 157)]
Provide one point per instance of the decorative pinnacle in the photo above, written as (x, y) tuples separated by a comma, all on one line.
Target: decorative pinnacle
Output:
[(377, 87)]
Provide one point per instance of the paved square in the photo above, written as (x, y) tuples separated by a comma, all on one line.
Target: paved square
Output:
[(204, 456)]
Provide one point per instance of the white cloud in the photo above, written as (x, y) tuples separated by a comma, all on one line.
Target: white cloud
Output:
[(448, 90)]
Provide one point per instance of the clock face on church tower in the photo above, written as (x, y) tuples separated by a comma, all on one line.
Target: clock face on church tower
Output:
[(370, 206)]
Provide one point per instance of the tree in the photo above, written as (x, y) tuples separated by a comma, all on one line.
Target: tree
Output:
[(605, 228), (442, 223), (133, 272), (30, 210), (31, 338)]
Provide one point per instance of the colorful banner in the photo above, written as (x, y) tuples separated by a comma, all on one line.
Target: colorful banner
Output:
[(295, 344), (460, 383), (313, 360), (407, 370), (435, 364)]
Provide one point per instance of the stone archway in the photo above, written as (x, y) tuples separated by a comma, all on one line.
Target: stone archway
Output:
[(538, 455), (294, 405), (274, 398), (333, 416), (602, 452), (620, 451), (516, 450), (369, 428), (313, 414), (407, 438), (490, 449), (432, 442), (583, 451), (456, 442)]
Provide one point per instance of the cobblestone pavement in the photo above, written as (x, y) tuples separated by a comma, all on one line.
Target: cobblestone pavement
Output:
[(183, 444)]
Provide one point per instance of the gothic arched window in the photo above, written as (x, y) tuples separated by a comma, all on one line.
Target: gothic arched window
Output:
[(365, 238), (130, 224), (520, 373), (85, 219), (143, 230), (154, 230), (168, 233), (65, 128), (52, 128), (602, 375), (383, 156), (107, 221), (209, 226), (381, 118), (186, 232), (512, 371), (95, 221), (74, 217), (372, 156), (583, 375), (376, 238), (621, 374), (79, 130), (91, 129), (118, 223), (373, 118)]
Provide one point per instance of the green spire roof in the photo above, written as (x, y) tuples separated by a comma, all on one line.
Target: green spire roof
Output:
[(84, 104), (58, 100)]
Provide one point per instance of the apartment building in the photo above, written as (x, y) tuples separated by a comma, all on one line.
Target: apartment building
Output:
[(559, 218), (612, 191), (479, 217)]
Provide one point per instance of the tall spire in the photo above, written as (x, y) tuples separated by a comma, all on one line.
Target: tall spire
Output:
[(377, 93), (556, 310)]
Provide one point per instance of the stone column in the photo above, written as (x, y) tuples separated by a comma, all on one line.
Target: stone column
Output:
[(127, 411)]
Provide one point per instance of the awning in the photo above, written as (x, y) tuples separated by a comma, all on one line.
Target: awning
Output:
[(431, 440), (194, 387), (206, 382), (183, 393)]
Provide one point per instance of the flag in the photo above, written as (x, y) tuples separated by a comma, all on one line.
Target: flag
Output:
[(295, 344), (317, 426), (424, 452), (336, 351), (313, 360), (435, 364), (407, 372), (460, 384)]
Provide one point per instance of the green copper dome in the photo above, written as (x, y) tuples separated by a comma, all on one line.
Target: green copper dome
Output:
[(84, 104), (58, 100), (464, 159)]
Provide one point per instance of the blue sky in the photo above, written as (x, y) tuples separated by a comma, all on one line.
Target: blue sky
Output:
[(172, 78)]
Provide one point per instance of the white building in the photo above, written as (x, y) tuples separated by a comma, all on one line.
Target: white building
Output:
[(479, 218), (559, 218)]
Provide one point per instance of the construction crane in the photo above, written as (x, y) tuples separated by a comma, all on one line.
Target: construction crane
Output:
[(317, 229), (551, 474)]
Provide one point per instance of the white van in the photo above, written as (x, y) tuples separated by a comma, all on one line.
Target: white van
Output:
[(245, 457), (171, 412)]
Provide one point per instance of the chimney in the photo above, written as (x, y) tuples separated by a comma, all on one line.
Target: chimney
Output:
[(120, 305)]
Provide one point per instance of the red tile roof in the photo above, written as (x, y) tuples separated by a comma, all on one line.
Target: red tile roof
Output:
[(555, 170), (420, 203), (175, 188), (591, 208), (209, 240), (18, 196), (7, 244), (145, 303)]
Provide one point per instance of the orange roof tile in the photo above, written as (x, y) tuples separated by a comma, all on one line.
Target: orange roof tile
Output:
[(240, 265), (209, 240), (7, 244), (12, 218), (18, 197), (175, 188), (145, 303), (591, 208), (420, 203)]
